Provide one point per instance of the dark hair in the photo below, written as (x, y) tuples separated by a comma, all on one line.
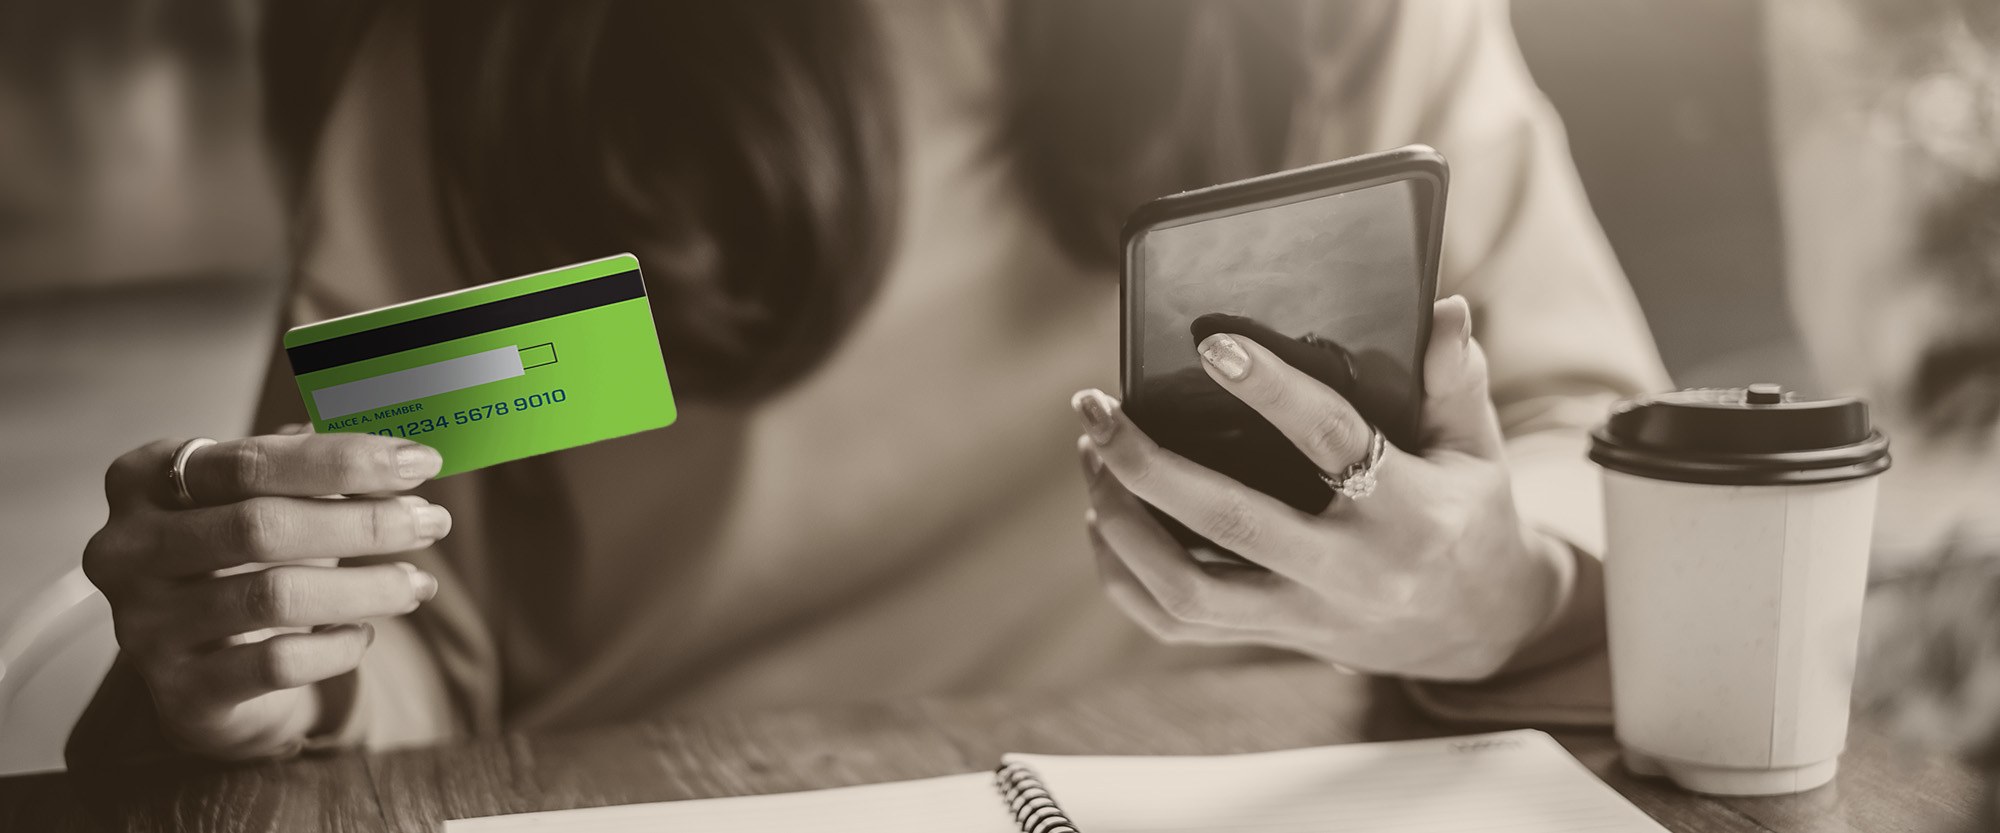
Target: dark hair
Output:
[(746, 149)]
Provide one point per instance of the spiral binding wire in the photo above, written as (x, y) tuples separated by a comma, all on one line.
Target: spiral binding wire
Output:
[(1034, 809)]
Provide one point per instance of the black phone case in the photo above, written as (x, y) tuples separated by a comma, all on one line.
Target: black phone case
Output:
[(1261, 457)]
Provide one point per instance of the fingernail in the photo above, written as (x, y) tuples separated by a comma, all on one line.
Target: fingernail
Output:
[(1464, 321), (423, 584), (1092, 462), (433, 521), (1095, 407), (417, 461), (1226, 356), (371, 632)]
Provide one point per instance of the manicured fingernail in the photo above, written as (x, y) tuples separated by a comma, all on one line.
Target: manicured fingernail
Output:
[(416, 461), (1464, 321), (433, 521), (1095, 407), (423, 584), (1226, 356), (371, 632)]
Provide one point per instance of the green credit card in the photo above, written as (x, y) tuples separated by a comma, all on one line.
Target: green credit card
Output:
[(497, 372)]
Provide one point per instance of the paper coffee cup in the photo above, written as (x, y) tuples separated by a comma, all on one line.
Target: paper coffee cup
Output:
[(1739, 522)]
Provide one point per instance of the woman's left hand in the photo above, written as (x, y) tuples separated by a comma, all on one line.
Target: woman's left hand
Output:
[(1434, 575)]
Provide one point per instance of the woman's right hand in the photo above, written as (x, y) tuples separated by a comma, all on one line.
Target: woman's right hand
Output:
[(192, 590)]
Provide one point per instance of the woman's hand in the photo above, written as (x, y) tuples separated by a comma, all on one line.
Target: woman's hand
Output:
[(1433, 575), (196, 592)]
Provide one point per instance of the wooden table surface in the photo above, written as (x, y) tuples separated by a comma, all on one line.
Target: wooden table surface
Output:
[(1883, 786)]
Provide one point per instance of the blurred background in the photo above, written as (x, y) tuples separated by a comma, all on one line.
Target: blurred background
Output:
[(1738, 154)]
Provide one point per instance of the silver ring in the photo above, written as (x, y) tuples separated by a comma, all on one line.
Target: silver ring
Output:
[(177, 473), (1358, 481)]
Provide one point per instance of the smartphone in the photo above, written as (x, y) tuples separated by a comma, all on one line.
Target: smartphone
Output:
[(1333, 267)]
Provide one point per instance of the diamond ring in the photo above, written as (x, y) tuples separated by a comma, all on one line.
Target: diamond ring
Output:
[(1358, 480)]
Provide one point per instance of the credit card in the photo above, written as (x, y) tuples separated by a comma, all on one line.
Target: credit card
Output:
[(496, 372)]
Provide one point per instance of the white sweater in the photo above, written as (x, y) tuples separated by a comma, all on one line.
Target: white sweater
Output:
[(907, 520)]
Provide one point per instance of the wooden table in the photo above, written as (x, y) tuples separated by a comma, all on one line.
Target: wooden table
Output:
[(1883, 786)]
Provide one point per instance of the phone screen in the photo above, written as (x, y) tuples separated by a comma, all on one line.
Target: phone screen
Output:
[(1336, 284)]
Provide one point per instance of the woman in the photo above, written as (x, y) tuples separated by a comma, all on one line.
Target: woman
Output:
[(880, 240)]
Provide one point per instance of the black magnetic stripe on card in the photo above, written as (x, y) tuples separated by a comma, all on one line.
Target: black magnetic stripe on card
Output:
[(469, 321)]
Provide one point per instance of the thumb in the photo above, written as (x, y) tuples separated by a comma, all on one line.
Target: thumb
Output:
[(1458, 411)]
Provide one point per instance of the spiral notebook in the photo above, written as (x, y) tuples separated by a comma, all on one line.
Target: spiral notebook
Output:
[(1493, 783)]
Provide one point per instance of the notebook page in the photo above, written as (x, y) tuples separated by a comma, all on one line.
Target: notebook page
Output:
[(1495, 783), (952, 804)]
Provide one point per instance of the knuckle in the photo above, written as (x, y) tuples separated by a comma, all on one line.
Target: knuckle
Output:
[(378, 460), (282, 663), (1333, 437), (100, 559), (1138, 468), (351, 463), (390, 523), (1184, 601), (341, 462), (116, 476), (249, 465), (1232, 523), (123, 476), (258, 529), (271, 596)]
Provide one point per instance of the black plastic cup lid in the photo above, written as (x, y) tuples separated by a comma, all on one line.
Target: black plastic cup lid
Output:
[(1755, 436)]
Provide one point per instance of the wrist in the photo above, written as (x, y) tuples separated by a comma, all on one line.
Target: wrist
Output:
[(1572, 615)]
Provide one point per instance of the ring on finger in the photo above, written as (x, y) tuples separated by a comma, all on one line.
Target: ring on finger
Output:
[(177, 471), (1358, 481)]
